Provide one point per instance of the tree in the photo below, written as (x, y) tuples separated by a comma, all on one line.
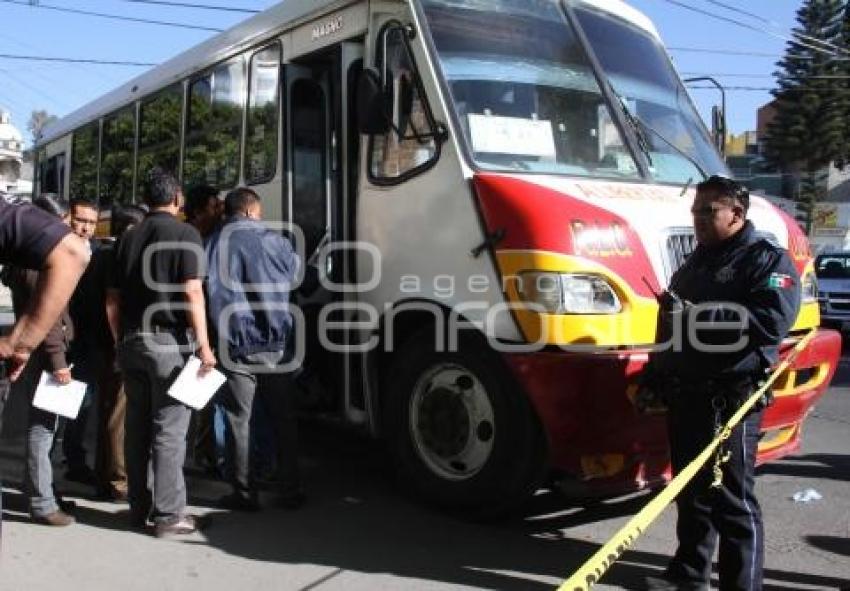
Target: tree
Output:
[(38, 121), (808, 132)]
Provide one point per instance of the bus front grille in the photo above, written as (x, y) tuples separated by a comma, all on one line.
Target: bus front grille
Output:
[(680, 245)]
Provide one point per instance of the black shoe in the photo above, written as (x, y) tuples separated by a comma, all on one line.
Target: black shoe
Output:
[(182, 526), (66, 506), (291, 501), (140, 520), (81, 474), (237, 502), (669, 583), (110, 494)]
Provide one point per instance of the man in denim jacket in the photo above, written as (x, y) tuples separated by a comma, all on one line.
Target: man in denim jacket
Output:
[(251, 271)]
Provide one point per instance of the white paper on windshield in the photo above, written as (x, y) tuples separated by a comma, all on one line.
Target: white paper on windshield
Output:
[(60, 399), (512, 135), (195, 391)]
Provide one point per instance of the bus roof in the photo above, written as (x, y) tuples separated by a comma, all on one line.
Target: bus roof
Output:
[(626, 12), (246, 34)]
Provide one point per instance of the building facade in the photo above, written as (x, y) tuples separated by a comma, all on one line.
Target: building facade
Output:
[(11, 157)]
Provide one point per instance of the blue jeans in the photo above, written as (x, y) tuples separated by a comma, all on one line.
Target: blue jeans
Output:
[(38, 475)]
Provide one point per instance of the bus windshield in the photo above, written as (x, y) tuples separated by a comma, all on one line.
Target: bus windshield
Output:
[(527, 98), (643, 77), (524, 90)]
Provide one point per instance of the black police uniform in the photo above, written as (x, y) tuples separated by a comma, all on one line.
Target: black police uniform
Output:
[(704, 388)]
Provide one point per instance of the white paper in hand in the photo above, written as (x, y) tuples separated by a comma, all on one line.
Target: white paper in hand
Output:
[(60, 399), (192, 390)]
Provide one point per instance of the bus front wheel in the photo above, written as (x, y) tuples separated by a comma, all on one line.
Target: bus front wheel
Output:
[(463, 435)]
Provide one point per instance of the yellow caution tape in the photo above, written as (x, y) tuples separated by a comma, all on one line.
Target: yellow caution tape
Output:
[(592, 570)]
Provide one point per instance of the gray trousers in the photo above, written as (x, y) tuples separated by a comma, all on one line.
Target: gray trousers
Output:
[(238, 400), (155, 427)]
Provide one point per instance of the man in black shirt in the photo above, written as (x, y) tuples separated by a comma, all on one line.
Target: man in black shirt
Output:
[(158, 297), (89, 344), (34, 239)]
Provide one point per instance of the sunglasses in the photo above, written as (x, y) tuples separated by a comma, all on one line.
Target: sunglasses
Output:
[(708, 211)]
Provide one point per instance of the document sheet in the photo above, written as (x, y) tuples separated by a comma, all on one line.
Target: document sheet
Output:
[(60, 399), (195, 391)]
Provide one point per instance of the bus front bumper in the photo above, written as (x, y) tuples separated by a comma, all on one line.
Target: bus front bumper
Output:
[(584, 402)]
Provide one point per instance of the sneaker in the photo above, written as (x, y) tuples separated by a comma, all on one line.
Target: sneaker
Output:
[(55, 519), (238, 502), (184, 525)]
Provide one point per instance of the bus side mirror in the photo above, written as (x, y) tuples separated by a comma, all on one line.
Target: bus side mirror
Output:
[(373, 113), (718, 129)]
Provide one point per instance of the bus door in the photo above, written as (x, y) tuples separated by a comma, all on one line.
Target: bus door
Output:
[(316, 191), (349, 67)]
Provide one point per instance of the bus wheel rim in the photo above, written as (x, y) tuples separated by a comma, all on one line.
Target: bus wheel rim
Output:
[(452, 422)]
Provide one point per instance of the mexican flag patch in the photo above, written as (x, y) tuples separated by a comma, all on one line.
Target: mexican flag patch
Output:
[(780, 281)]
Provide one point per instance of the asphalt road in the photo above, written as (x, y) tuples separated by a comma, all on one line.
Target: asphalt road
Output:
[(360, 531)]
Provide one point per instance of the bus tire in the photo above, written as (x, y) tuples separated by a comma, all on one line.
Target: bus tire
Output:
[(462, 434)]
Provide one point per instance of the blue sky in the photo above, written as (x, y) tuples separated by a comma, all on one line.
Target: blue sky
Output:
[(60, 88)]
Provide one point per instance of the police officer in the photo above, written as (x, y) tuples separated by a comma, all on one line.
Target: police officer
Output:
[(722, 319)]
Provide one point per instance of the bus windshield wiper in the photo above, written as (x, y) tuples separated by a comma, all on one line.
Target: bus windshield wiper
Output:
[(640, 127), (637, 128)]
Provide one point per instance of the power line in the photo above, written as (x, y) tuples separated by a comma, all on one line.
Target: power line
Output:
[(821, 77), (749, 27), (766, 89), (192, 5), (112, 16), (776, 25), (723, 51), (29, 47), (68, 60), (744, 53)]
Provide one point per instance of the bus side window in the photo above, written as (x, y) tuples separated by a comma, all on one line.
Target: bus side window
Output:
[(49, 174), (118, 157), (261, 138), (411, 145), (214, 129), (159, 134), (84, 154)]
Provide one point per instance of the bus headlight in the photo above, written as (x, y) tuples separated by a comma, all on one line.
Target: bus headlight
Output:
[(569, 293), (809, 288)]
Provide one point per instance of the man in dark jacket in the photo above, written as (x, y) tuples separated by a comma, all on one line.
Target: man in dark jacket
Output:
[(250, 272), (87, 350), (734, 301)]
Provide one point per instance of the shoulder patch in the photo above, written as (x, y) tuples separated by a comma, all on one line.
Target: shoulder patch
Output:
[(780, 281)]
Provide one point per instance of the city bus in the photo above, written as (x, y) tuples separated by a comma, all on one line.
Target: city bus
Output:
[(491, 194)]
